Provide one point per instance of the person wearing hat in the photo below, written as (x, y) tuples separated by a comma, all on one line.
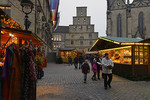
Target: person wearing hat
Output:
[(85, 69), (107, 66)]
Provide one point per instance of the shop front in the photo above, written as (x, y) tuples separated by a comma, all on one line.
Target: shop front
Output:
[(17, 60), (131, 57), (66, 52)]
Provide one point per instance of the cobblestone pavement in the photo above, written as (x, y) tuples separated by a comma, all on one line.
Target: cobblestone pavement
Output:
[(63, 82)]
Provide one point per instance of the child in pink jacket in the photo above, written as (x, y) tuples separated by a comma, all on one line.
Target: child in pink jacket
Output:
[(94, 68)]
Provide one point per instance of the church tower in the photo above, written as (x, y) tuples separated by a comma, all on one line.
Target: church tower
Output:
[(125, 19)]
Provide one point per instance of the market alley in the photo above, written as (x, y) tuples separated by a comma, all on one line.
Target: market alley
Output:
[(63, 82)]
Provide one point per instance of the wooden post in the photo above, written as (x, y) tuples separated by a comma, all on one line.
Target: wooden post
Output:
[(148, 51), (133, 60)]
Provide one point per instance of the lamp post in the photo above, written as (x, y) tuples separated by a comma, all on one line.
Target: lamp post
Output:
[(27, 7)]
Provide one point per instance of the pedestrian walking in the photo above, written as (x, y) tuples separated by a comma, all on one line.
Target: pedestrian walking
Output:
[(76, 62), (94, 69), (85, 70), (98, 63), (107, 66), (70, 60), (80, 61), (91, 60)]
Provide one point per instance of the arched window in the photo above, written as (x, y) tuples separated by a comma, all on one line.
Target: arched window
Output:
[(141, 23), (119, 26)]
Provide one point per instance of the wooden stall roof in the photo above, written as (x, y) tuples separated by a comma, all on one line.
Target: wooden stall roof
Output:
[(112, 42), (20, 34), (67, 49), (145, 41), (9, 25)]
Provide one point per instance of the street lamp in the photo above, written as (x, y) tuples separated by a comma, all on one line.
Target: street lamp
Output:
[(27, 7)]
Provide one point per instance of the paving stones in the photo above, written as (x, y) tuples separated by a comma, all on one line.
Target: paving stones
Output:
[(63, 82)]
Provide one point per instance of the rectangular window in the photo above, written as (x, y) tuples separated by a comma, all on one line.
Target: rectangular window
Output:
[(78, 21), (84, 21), (81, 42), (72, 42), (88, 28), (74, 28), (57, 38), (90, 35), (141, 55), (80, 27)]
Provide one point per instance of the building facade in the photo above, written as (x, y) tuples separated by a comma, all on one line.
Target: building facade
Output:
[(59, 36), (39, 18), (81, 34), (125, 19)]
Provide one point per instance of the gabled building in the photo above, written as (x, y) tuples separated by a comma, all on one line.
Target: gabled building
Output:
[(80, 35)]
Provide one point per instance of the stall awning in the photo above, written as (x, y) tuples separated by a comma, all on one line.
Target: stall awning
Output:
[(11, 26), (113, 42), (19, 34)]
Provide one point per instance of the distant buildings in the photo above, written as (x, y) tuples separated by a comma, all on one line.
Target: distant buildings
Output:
[(80, 35)]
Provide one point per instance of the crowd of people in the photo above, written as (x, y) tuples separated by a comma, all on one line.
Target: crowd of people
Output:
[(98, 62)]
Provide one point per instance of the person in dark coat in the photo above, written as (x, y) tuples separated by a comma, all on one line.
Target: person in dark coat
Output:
[(80, 61), (70, 60), (91, 60), (76, 62), (98, 66), (85, 69)]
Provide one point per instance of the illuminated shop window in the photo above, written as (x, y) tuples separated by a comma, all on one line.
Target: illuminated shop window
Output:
[(119, 55), (141, 55)]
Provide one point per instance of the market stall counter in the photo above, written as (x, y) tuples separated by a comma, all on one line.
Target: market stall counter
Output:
[(131, 57)]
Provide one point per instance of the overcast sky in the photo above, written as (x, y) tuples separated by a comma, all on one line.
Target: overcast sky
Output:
[(95, 8)]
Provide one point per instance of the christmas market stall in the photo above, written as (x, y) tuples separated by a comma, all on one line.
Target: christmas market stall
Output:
[(130, 55), (66, 52), (18, 51)]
